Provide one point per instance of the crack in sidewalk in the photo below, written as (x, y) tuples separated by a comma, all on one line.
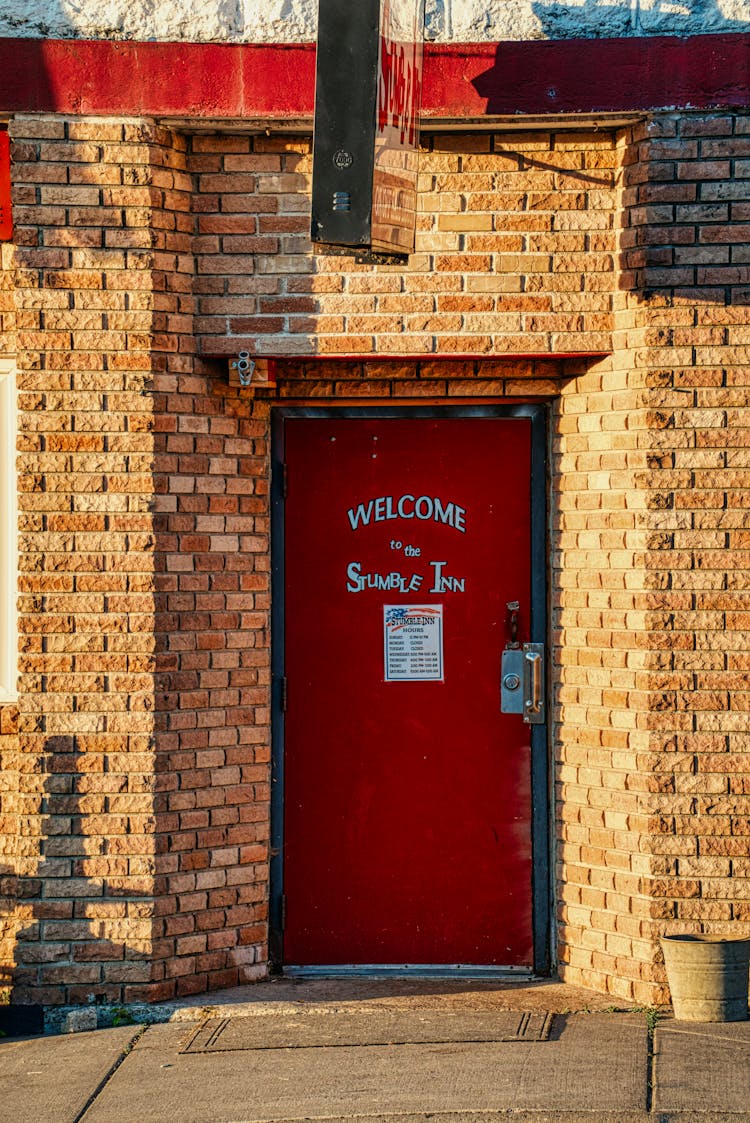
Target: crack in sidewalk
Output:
[(110, 1073)]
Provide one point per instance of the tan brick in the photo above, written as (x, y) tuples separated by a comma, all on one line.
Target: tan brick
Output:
[(651, 541)]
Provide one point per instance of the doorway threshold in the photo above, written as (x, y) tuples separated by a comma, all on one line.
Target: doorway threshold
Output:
[(407, 971)]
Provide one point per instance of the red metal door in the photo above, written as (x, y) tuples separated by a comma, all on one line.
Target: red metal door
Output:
[(407, 801)]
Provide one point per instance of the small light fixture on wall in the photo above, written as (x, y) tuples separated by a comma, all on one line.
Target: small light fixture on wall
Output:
[(244, 365), (247, 372)]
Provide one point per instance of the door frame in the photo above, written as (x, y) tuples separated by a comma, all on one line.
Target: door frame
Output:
[(540, 768)]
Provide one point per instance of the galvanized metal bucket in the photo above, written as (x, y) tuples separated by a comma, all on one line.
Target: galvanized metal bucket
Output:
[(708, 977)]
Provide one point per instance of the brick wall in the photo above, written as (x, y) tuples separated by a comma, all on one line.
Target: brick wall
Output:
[(11, 847), (515, 252), (135, 785), (213, 684), (209, 548), (651, 581), (601, 649), (85, 754), (695, 316), (10, 823)]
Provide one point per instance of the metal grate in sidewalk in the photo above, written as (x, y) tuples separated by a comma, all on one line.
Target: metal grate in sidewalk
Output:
[(338, 1030)]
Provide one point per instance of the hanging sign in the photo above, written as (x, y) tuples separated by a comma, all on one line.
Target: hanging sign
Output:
[(413, 635), (367, 96)]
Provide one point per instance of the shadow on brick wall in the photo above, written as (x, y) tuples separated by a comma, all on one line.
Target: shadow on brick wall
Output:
[(683, 233), (211, 584), (69, 907)]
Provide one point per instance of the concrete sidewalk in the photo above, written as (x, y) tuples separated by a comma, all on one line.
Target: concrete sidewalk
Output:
[(405, 1053)]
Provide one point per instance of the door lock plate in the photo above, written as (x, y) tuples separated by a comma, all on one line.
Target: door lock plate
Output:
[(511, 679), (522, 682)]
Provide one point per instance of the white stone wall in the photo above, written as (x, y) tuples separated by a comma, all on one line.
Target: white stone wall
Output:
[(292, 21)]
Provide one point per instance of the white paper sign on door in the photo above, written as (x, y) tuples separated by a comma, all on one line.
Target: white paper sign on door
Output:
[(413, 637)]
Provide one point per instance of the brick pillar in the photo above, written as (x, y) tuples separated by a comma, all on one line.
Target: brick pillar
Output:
[(213, 702), (95, 207), (688, 254), (651, 576), (141, 763), (12, 846), (11, 842), (599, 650)]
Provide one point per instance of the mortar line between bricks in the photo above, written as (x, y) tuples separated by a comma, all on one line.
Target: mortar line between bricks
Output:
[(109, 1074)]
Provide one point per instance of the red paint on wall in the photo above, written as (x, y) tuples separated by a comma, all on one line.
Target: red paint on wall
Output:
[(601, 75), (6, 217), (464, 80), (180, 79)]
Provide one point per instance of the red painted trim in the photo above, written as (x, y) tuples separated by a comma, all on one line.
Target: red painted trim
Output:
[(588, 76), (275, 82), (6, 215), (160, 79)]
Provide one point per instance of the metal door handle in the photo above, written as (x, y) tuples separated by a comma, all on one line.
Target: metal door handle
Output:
[(534, 663)]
